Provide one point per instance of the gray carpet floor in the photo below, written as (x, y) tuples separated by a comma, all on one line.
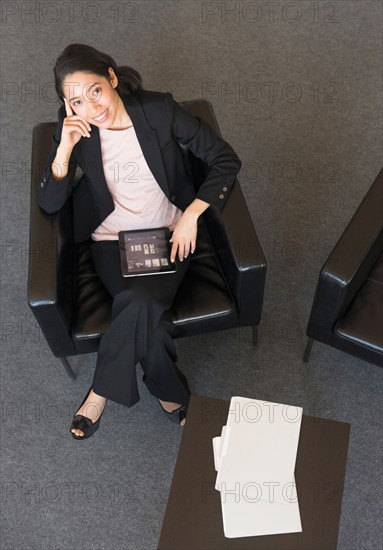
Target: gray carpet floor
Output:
[(310, 151)]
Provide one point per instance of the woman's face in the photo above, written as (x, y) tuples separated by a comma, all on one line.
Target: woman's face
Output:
[(93, 97)]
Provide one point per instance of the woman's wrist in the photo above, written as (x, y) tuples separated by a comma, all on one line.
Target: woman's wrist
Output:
[(196, 208), (60, 163)]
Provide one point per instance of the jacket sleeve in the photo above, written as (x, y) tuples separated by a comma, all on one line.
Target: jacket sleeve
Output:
[(204, 143), (53, 194)]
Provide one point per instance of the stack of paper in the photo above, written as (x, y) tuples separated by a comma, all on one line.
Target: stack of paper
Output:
[(255, 460)]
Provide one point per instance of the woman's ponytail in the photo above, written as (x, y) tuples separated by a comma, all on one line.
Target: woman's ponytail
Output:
[(129, 80)]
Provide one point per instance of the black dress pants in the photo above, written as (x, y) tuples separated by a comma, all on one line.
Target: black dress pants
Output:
[(140, 331)]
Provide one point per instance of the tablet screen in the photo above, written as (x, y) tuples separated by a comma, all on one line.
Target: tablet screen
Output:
[(145, 252)]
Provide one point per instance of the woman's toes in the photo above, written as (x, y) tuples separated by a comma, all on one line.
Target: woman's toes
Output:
[(77, 432)]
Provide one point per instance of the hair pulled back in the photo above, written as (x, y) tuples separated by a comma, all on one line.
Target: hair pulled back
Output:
[(84, 58)]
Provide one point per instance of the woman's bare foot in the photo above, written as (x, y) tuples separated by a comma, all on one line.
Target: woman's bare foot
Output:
[(92, 408), (169, 406)]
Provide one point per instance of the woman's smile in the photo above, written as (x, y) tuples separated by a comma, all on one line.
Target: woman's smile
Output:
[(102, 117)]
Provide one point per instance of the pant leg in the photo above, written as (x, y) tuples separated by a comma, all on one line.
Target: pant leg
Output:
[(162, 381), (138, 307)]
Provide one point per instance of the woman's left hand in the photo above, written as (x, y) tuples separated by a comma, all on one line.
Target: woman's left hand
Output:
[(184, 236)]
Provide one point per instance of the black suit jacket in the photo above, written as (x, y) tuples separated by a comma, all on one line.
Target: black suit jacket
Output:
[(161, 124)]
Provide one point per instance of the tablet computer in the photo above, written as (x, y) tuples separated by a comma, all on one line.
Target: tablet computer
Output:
[(145, 252)]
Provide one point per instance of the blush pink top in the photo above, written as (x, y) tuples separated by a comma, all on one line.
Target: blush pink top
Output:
[(139, 201)]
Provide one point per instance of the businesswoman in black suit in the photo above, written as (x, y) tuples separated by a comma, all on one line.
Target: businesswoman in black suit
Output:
[(97, 94)]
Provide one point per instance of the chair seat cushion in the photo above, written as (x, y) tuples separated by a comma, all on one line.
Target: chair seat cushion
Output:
[(362, 324), (203, 294)]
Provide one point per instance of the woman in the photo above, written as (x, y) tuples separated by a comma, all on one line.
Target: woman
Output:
[(126, 141)]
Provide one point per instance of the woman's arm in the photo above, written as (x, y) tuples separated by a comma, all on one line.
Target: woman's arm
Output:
[(224, 165), (58, 173)]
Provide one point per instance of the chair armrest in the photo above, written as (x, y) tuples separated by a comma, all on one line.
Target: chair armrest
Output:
[(51, 277), (231, 232), (239, 253), (349, 264)]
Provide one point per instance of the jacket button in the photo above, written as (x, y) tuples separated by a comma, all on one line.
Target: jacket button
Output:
[(224, 188), (173, 198), (221, 196), (41, 184)]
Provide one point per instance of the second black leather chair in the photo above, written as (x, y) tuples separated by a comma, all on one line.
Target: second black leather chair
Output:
[(347, 312)]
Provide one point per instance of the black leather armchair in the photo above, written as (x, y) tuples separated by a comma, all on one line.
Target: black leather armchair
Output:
[(347, 312), (226, 275)]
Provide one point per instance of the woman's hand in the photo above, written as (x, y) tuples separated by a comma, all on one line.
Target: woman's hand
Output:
[(74, 128), (184, 236)]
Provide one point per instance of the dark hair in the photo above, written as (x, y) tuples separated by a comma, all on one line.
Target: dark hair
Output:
[(81, 57)]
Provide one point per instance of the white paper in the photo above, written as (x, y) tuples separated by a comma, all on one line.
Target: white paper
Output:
[(216, 441), (249, 519), (255, 460), (263, 445), (217, 448)]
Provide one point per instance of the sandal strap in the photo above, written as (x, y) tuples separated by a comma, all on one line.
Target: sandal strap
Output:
[(182, 413), (179, 413), (82, 423)]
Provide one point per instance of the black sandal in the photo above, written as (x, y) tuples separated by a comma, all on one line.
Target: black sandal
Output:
[(84, 423), (177, 415)]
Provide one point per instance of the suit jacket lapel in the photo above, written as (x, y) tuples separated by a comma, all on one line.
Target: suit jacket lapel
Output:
[(148, 139)]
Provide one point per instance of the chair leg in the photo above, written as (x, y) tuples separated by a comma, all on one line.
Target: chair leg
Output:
[(309, 345), (255, 336), (68, 368)]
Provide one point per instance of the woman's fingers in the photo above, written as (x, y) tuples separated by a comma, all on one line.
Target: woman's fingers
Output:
[(68, 108), (189, 246), (184, 238), (77, 127), (85, 126), (78, 124), (81, 122), (173, 251), (183, 248), (186, 249)]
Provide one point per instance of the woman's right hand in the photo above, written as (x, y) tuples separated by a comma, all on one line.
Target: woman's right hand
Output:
[(74, 128)]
